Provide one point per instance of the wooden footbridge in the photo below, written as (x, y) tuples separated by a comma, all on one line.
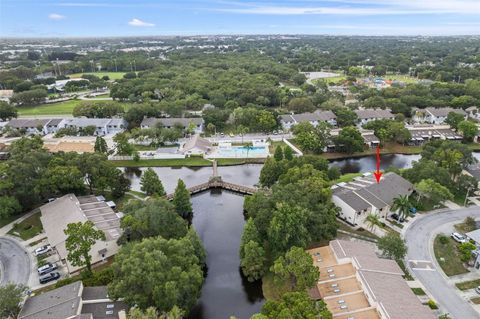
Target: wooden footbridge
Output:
[(216, 182)]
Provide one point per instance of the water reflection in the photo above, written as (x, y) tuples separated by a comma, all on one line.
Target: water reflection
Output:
[(368, 163), (219, 222)]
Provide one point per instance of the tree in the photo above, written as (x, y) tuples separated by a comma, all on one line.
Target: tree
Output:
[(253, 261), (278, 154), (465, 250), (294, 305), (80, 239), (402, 205), (159, 273), (345, 117), (349, 140), (373, 220), (288, 153), (151, 184), (468, 129), (453, 119), (100, 145), (287, 228), (152, 313), (300, 105), (312, 138), (181, 200), (122, 144), (154, 217), (7, 111), (434, 191), (11, 295), (295, 270), (392, 246), (9, 206)]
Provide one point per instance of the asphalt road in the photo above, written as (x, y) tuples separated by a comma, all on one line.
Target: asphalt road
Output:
[(14, 262), (419, 237)]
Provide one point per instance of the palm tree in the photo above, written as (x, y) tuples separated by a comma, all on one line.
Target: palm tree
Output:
[(402, 205), (248, 146), (373, 220)]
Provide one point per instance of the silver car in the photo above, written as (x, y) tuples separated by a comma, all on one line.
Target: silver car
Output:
[(45, 269)]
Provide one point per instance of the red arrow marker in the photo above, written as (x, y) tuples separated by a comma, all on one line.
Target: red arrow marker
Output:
[(378, 174)]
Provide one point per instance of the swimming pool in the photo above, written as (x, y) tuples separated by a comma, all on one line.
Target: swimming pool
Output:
[(242, 152)]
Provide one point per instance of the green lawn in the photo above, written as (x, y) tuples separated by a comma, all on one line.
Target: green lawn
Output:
[(28, 228), (60, 108), (400, 77), (111, 75), (465, 285), (189, 161), (418, 291), (448, 257), (347, 178), (102, 96)]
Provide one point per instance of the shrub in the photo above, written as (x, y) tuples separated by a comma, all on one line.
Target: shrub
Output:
[(443, 239), (432, 304)]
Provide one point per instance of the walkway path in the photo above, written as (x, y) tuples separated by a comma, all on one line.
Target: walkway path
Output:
[(421, 260)]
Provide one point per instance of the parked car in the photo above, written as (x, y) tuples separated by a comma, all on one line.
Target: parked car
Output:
[(49, 277), (42, 250), (397, 217), (45, 269), (458, 238), (477, 290)]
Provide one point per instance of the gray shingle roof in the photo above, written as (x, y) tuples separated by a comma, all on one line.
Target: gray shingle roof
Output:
[(307, 117), (374, 114), (27, 123), (443, 111), (62, 302), (171, 121), (351, 199)]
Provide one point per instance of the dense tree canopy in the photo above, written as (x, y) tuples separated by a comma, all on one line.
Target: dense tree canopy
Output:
[(159, 273)]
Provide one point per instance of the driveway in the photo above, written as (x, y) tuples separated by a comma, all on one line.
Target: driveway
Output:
[(422, 263), (14, 262)]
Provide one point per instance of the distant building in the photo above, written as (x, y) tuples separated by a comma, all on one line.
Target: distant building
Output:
[(103, 126), (59, 85), (355, 283), (362, 196), (368, 115), (435, 115), (421, 133), (73, 301), (289, 120), (196, 145), (171, 122), (5, 95), (68, 209), (30, 126)]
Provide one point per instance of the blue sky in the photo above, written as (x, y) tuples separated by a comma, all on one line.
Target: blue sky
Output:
[(80, 18)]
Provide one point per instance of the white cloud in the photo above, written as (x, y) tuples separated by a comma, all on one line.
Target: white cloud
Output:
[(139, 23), (56, 16)]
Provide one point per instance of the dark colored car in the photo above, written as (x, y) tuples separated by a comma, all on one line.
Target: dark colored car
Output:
[(49, 277), (397, 218)]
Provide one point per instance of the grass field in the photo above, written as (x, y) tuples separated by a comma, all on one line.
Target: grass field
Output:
[(448, 257), (111, 75), (399, 77), (347, 178), (465, 285), (189, 161), (61, 108), (28, 228)]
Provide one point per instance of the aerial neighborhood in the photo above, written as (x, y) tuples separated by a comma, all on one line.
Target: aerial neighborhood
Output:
[(236, 176)]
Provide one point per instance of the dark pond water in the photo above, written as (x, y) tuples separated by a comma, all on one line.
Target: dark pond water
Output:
[(218, 218), (369, 163)]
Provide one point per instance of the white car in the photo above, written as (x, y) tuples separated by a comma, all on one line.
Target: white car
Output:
[(458, 238), (477, 290), (42, 250), (45, 269)]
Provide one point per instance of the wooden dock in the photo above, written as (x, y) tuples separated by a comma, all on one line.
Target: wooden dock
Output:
[(217, 182)]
